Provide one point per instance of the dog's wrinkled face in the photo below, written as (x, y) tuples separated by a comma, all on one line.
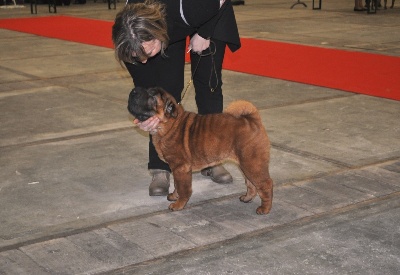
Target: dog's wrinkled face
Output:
[(145, 103), (141, 104)]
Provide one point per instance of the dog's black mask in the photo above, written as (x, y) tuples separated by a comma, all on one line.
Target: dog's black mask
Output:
[(142, 103)]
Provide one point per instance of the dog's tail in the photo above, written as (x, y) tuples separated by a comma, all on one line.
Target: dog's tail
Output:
[(242, 108)]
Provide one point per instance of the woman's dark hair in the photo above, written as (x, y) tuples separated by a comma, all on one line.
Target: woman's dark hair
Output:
[(135, 24)]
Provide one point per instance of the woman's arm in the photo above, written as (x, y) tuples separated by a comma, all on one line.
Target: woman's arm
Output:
[(206, 30)]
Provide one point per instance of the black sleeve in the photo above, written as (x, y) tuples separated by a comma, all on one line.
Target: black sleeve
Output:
[(207, 29), (202, 15)]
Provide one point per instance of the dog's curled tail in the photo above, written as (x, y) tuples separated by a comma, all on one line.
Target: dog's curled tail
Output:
[(242, 108)]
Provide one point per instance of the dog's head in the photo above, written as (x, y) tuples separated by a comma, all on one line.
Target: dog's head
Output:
[(145, 103)]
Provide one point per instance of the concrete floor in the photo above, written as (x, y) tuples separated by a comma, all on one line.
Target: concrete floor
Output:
[(74, 184)]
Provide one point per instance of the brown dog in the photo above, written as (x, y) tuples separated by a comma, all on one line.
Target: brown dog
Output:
[(190, 142)]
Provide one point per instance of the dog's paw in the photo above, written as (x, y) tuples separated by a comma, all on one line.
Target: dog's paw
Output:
[(172, 197), (245, 198), (263, 210), (176, 206)]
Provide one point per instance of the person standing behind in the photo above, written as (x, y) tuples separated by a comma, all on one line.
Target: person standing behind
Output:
[(358, 5), (150, 40)]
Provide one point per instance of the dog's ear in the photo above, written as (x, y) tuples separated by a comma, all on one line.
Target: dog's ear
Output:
[(155, 91)]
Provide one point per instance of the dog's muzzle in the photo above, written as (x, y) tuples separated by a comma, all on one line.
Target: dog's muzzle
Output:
[(138, 104)]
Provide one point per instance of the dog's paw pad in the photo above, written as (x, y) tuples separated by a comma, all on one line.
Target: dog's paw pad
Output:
[(245, 199)]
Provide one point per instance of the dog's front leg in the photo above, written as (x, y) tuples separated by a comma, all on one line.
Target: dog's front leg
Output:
[(173, 196), (183, 188)]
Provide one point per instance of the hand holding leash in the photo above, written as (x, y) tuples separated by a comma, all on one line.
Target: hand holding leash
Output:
[(198, 44)]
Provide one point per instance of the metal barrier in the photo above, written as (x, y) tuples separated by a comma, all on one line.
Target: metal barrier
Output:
[(319, 5), (52, 6)]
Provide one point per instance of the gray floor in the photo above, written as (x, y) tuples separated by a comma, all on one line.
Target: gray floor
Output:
[(74, 184)]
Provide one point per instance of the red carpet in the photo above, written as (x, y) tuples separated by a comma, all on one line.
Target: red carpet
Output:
[(358, 72)]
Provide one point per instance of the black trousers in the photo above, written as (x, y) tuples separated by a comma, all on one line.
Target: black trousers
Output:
[(168, 73)]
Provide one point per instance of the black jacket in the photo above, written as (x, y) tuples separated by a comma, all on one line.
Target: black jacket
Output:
[(202, 16)]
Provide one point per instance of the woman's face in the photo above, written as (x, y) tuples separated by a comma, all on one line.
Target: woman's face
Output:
[(151, 48)]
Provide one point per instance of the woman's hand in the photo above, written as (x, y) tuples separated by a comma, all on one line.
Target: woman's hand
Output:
[(149, 125), (198, 44)]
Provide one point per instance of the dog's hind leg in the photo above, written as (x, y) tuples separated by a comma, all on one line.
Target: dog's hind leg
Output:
[(265, 191), (251, 192), (258, 181)]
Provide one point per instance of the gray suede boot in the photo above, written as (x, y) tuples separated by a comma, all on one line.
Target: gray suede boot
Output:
[(159, 185), (217, 174)]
